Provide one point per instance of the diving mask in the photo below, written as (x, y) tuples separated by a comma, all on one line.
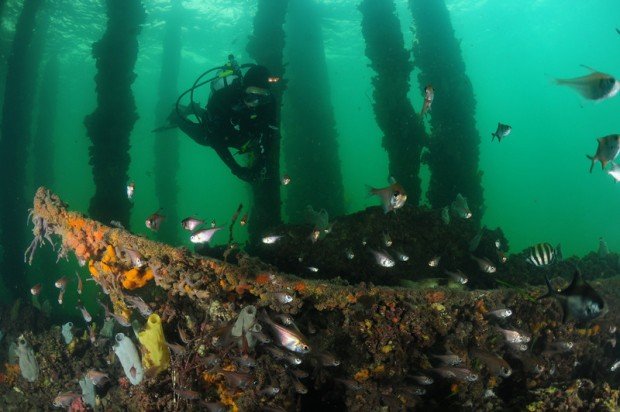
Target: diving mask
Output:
[(256, 96)]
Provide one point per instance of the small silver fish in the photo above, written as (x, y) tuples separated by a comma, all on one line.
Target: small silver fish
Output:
[(383, 258), (495, 364), (61, 295), (315, 235), (270, 240), (350, 384), (392, 197), (460, 207), (422, 379), (64, 400), (292, 358), (92, 333), (594, 86), (154, 221), (191, 223), (204, 235), (449, 359), (138, 303), (96, 377), (327, 359), (80, 285), (287, 338), (285, 180), (498, 244), (607, 150), (312, 269), (514, 336), (387, 240), (502, 131), (484, 264), (213, 224), (36, 289), (559, 346), (400, 255), (135, 257), (457, 276), (283, 297), (85, 313), (349, 253), (61, 283), (284, 318), (460, 374), (108, 314), (429, 96), (131, 187), (269, 391), (500, 313), (177, 349), (434, 262), (183, 335), (615, 366)]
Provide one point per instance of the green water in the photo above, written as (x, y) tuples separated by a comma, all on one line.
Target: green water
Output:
[(536, 181)]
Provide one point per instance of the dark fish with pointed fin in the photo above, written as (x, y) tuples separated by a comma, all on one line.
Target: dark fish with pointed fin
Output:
[(502, 131), (594, 86), (579, 300), (607, 150)]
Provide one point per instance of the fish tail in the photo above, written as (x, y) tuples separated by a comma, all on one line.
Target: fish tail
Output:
[(370, 190), (550, 291), (593, 159), (493, 136)]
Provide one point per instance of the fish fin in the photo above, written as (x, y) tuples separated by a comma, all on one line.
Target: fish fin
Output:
[(550, 291), (593, 160), (493, 135), (391, 180), (558, 253), (589, 68), (577, 281), (564, 312)]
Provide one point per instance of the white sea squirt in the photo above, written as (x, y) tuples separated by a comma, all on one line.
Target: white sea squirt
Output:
[(128, 356)]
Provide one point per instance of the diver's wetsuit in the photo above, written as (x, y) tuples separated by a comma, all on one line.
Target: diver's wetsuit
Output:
[(228, 122)]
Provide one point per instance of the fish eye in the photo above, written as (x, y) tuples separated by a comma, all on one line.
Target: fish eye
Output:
[(396, 193)]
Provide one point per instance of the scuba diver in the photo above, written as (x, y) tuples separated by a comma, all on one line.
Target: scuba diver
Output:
[(240, 114)]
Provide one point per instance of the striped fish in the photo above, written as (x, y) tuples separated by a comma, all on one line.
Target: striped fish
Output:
[(542, 254)]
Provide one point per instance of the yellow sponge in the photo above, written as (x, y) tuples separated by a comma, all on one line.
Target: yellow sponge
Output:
[(156, 356)]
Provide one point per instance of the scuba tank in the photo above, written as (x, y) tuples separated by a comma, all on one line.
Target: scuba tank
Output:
[(227, 75)]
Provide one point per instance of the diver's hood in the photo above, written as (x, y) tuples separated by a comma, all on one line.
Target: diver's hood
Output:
[(257, 76)]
